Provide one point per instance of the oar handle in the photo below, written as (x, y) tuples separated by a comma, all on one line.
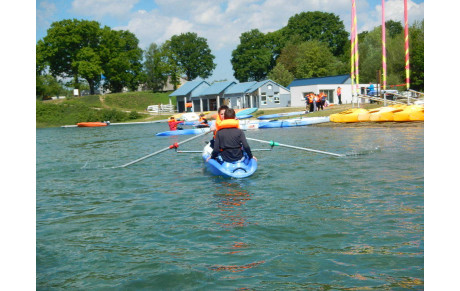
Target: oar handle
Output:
[(272, 143)]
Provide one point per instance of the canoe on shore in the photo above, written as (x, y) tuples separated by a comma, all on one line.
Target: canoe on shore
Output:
[(293, 122), (277, 115), (92, 124)]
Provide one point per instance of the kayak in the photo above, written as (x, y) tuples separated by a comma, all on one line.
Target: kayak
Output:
[(183, 131), (277, 115), (240, 169), (92, 124), (246, 111), (244, 116), (293, 122), (249, 124), (416, 111), (350, 115), (386, 113)]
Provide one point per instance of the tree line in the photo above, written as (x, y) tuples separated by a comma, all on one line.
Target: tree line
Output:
[(312, 44)]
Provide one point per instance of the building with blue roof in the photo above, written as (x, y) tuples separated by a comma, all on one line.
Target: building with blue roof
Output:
[(200, 96), (212, 97), (186, 92), (301, 87), (268, 94)]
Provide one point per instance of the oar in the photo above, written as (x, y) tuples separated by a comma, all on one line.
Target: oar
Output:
[(195, 152), (175, 145), (272, 143)]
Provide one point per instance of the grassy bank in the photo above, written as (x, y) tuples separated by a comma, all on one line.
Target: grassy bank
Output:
[(117, 107)]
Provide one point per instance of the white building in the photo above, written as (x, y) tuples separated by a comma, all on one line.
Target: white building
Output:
[(328, 85)]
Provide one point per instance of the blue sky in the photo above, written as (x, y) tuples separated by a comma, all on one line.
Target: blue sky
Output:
[(221, 22)]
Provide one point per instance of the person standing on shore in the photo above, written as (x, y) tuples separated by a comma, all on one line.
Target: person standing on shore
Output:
[(339, 94)]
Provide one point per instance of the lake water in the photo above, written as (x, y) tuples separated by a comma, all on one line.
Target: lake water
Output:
[(303, 221)]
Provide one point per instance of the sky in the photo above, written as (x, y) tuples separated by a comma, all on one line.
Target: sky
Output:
[(221, 22)]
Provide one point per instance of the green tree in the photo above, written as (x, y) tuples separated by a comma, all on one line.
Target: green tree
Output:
[(281, 75), (393, 28), (322, 26), (155, 67), (81, 49), (253, 57), (121, 59), (417, 55), (47, 85), (67, 46), (308, 59), (192, 54)]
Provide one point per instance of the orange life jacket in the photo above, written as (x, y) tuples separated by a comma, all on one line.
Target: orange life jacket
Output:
[(339, 91), (226, 123), (310, 98)]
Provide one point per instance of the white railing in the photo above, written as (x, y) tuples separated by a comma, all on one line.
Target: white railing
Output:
[(160, 108)]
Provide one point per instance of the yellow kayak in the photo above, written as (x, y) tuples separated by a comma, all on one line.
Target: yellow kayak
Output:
[(350, 115), (386, 113), (405, 115), (417, 115)]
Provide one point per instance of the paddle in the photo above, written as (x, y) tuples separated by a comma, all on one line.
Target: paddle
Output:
[(175, 145), (272, 143)]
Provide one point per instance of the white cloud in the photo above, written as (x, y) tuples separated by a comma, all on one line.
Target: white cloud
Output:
[(46, 12), (101, 8), (394, 10)]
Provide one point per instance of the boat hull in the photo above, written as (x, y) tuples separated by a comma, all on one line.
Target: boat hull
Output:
[(277, 115), (91, 124), (183, 131), (293, 122), (240, 169)]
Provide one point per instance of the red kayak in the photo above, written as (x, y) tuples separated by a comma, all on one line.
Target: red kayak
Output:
[(91, 124)]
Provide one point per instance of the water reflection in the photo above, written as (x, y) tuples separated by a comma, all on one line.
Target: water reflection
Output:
[(231, 199)]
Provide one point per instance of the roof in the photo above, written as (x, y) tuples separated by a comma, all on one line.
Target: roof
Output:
[(240, 87), (257, 85), (187, 88), (217, 88), (330, 80)]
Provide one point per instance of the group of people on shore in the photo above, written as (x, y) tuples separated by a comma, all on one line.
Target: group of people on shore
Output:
[(315, 102)]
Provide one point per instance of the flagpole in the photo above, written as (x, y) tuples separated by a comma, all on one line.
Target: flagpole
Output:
[(352, 51), (356, 57), (406, 39), (384, 51)]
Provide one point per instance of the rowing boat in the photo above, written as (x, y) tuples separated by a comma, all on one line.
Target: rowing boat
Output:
[(293, 122), (277, 115), (240, 169), (183, 131)]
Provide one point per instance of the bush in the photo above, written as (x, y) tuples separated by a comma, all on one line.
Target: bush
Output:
[(133, 115)]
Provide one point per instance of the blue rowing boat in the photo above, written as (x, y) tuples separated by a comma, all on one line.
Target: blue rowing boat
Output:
[(240, 169), (246, 111), (277, 115), (293, 122), (183, 131)]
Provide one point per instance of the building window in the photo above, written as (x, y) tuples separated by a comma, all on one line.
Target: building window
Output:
[(276, 99), (269, 87), (263, 98)]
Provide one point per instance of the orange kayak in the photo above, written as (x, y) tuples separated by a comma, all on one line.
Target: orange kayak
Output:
[(91, 124)]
